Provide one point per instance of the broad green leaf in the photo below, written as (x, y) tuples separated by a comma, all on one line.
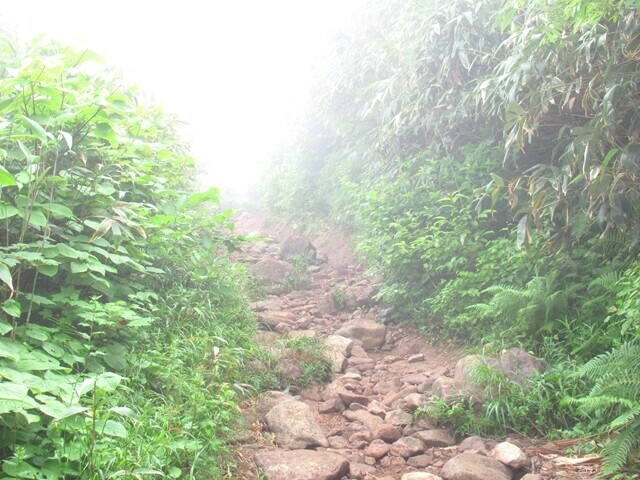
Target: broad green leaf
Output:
[(5, 327), (78, 267), (6, 179), (66, 136), (37, 130), (15, 391), (123, 411), (5, 276), (11, 349), (48, 270), (108, 381), (7, 211), (111, 428), (53, 349), (71, 411), (12, 308), (19, 469), (211, 195), (37, 219), (58, 210)]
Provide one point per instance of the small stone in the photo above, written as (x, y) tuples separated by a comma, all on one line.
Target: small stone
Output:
[(364, 417), (473, 444), (510, 455), (398, 417), (532, 476), (377, 408), (414, 401), (470, 466), (420, 461), (419, 476), (418, 357), (387, 432), (377, 449), (333, 405), (301, 465), (436, 438), (387, 386), (337, 442), (358, 471), (406, 447), (361, 436)]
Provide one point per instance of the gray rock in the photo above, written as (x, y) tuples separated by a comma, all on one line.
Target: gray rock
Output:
[(339, 344), (471, 466), (420, 461), (386, 386), (301, 465), (446, 389), (414, 401), (270, 400), (370, 333), (294, 425), (436, 438), (509, 454)]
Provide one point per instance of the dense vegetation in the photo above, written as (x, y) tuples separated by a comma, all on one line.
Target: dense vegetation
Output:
[(486, 154), (123, 328)]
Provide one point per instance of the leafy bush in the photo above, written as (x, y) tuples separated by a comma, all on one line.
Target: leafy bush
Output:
[(106, 263)]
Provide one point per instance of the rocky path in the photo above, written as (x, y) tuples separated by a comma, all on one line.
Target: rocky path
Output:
[(362, 424)]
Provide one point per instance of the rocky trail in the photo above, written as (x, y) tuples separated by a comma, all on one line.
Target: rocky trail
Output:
[(362, 424)]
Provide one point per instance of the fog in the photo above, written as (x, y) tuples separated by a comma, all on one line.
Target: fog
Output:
[(237, 73)]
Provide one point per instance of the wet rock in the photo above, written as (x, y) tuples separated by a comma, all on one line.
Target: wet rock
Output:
[(301, 465), (471, 466), (439, 438), (509, 454), (406, 447), (294, 425), (387, 432), (371, 334)]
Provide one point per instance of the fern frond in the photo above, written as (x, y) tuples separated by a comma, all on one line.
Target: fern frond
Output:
[(616, 452), (626, 418)]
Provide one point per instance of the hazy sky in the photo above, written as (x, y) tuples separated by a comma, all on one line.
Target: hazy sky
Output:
[(235, 71)]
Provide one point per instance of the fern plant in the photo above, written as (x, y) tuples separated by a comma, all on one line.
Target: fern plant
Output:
[(615, 397), (531, 310)]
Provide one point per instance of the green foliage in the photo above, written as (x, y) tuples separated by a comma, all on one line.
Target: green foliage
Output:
[(299, 276), (310, 354), (112, 275), (614, 401), (486, 154)]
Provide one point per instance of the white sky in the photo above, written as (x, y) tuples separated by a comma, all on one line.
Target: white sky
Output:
[(235, 71)]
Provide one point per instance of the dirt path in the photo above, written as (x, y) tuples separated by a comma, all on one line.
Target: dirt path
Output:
[(361, 425)]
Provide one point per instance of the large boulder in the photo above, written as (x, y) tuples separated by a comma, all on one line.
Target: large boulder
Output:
[(471, 466), (294, 425), (370, 333), (509, 454), (272, 271), (519, 365), (296, 245), (301, 465)]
